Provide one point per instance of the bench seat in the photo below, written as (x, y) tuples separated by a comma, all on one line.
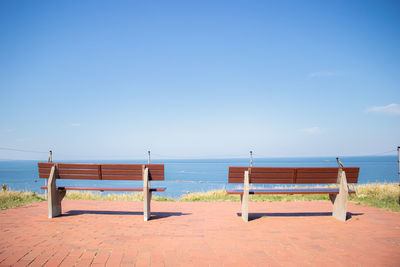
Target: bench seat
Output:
[(338, 195), (99, 172), (154, 189), (288, 191)]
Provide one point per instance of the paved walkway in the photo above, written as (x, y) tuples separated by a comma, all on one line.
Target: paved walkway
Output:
[(113, 233)]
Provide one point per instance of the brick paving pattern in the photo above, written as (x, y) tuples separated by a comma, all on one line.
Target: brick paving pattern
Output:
[(113, 233)]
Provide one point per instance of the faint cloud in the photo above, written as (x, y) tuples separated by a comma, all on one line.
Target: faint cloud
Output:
[(312, 130), (319, 74), (75, 124), (393, 109), (24, 139)]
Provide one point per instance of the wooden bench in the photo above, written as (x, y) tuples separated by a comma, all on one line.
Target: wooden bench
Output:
[(112, 172), (283, 175)]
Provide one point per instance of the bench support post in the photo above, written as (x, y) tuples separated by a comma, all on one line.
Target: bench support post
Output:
[(340, 200), (244, 198), (146, 195), (54, 196)]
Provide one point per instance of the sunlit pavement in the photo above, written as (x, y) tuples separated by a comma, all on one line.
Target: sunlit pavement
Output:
[(113, 233)]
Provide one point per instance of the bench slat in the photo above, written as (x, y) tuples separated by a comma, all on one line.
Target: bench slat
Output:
[(238, 169), (76, 165), (72, 176), (153, 189), (234, 175), (155, 166), (71, 171), (235, 180), (264, 175), (121, 172), (274, 191), (77, 176), (270, 181), (263, 179), (284, 175), (287, 170), (122, 177), (316, 181), (156, 177), (326, 169), (122, 167)]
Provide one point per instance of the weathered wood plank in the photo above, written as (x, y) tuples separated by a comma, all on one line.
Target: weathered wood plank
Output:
[(122, 166), (121, 172), (122, 177), (289, 191), (72, 171)]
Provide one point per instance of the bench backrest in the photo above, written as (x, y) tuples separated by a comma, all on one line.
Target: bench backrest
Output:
[(102, 171), (287, 175)]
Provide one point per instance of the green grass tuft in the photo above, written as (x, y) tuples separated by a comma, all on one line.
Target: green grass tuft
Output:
[(13, 199)]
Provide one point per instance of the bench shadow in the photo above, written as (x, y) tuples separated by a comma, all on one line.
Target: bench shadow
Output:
[(255, 216), (154, 215)]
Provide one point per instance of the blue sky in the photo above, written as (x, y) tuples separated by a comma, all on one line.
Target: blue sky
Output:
[(198, 79)]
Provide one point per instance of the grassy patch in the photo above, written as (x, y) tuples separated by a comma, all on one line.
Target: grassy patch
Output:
[(222, 195), (384, 196), (12, 199), (210, 196), (85, 195)]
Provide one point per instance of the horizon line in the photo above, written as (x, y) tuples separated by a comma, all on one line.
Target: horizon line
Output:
[(205, 158)]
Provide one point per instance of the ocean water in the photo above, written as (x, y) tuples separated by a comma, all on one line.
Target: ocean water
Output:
[(200, 175)]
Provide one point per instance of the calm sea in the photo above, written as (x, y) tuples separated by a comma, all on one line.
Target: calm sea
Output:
[(200, 175)]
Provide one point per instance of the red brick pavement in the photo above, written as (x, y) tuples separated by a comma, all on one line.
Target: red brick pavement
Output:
[(113, 233)]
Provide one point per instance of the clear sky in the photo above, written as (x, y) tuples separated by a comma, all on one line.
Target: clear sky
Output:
[(198, 79)]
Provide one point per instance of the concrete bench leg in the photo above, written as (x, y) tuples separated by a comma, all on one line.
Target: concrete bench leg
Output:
[(147, 210), (340, 200), (54, 196), (244, 198), (146, 195)]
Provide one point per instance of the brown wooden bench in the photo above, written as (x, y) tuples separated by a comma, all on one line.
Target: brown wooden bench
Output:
[(284, 175), (113, 172)]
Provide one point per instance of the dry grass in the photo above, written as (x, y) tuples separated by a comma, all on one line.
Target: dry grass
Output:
[(122, 197), (385, 196), (13, 199), (210, 196)]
